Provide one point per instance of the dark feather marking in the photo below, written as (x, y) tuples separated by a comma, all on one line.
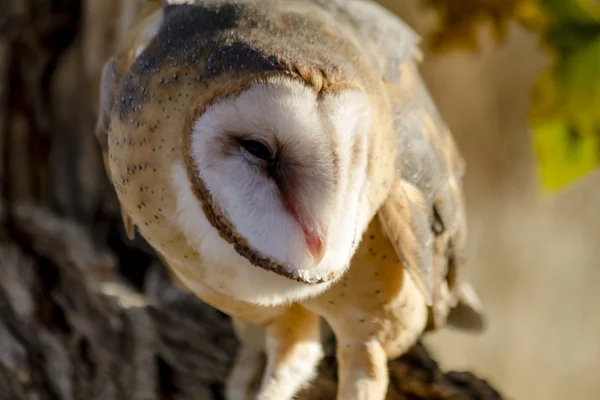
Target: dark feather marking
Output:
[(256, 37)]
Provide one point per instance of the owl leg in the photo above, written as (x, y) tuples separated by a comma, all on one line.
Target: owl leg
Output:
[(293, 353), (248, 362), (362, 370)]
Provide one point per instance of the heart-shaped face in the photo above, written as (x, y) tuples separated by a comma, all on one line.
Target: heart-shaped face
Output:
[(279, 173)]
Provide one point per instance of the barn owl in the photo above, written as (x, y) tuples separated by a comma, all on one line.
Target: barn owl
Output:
[(285, 160)]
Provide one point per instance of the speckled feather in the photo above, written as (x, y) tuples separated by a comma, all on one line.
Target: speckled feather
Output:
[(427, 156), (431, 238), (213, 49), (218, 40)]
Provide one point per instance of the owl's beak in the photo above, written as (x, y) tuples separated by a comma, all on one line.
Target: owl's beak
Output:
[(315, 246), (314, 240)]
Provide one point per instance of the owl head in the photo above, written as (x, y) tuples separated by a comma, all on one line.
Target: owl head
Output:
[(278, 171), (268, 156)]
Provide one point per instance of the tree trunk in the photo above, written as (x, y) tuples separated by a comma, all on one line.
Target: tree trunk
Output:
[(84, 312)]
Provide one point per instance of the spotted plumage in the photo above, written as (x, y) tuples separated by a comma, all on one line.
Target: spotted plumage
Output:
[(285, 160)]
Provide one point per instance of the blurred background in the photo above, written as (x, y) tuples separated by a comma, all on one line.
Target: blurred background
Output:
[(533, 255)]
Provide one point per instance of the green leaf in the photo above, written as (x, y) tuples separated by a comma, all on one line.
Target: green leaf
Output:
[(565, 116), (565, 111), (563, 154)]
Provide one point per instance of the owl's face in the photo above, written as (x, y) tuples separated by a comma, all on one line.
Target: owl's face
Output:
[(282, 173)]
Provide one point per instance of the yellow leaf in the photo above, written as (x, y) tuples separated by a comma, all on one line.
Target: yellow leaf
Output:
[(565, 115), (563, 154), (565, 111)]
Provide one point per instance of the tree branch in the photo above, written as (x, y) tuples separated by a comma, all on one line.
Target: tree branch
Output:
[(74, 330)]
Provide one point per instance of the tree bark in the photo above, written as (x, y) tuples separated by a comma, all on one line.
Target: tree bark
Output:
[(85, 313)]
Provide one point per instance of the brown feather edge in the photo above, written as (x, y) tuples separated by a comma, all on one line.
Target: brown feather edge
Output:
[(416, 273), (321, 82), (113, 68), (436, 320)]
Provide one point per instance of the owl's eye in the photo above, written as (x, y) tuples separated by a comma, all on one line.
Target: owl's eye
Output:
[(257, 149)]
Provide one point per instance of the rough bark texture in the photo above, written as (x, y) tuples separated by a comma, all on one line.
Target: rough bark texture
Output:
[(84, 313)]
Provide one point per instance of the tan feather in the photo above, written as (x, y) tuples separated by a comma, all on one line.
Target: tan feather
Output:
[(218, 48), (429, 163), (108, 82), (403, 216)]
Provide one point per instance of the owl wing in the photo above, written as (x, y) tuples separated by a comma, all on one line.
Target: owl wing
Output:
[(108, 83), (424, 215), (111, 75)]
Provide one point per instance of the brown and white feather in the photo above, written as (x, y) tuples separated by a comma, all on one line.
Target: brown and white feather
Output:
[(332, 88)]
